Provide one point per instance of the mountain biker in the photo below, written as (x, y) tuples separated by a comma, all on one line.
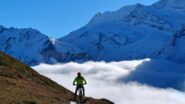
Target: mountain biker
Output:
[(79, 81)]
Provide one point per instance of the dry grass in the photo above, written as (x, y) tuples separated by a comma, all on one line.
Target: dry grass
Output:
[(21, 90), (19, 84)]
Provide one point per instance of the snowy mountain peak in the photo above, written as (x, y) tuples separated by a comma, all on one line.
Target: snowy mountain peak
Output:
[(98, 14), (32, 47), (177, 4), (131, 7), (109, 36), (116, 15), (53, 40), (118, 35)]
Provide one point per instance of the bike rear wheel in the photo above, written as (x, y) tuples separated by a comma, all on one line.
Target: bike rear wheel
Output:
[(81, 96)]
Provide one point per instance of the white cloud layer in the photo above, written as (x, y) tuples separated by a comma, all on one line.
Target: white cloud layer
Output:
[(102, 79)]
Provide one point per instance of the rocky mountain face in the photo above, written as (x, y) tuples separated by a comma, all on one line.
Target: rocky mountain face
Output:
[(134, 32), (176, 4), (32, 47), (19, 84)]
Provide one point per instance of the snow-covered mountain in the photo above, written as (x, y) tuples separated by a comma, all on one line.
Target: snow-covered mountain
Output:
[(32, 47), (134, 32)]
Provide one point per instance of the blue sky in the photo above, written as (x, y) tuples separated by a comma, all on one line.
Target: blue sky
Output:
[(56, 18)]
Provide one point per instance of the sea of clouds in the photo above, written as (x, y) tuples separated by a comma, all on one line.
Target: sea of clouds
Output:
[(126, 82)]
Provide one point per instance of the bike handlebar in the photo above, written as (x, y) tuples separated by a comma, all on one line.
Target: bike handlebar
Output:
[(76, 84)]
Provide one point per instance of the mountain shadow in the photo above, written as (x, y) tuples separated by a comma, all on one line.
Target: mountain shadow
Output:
[(158, 73)]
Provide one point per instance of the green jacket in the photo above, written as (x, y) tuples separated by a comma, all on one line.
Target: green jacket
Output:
[(79, 80)]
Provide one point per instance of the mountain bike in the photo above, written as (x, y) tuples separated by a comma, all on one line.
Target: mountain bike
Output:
[(80, 97), (80, 93)]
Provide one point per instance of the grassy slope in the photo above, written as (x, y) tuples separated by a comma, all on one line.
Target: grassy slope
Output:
[(19, 84)]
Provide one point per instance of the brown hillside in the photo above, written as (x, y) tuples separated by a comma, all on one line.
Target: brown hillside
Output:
[(19, 84)]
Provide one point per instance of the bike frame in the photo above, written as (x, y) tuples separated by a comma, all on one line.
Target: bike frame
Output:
[(80, 94), (80, 90)]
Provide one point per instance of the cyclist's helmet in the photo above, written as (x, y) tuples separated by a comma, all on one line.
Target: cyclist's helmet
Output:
[(79, 74)]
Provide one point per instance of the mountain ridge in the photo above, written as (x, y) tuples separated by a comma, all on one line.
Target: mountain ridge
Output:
[(32, 47), (22, 85), (109, 36), (175, 4), (120, 35)]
